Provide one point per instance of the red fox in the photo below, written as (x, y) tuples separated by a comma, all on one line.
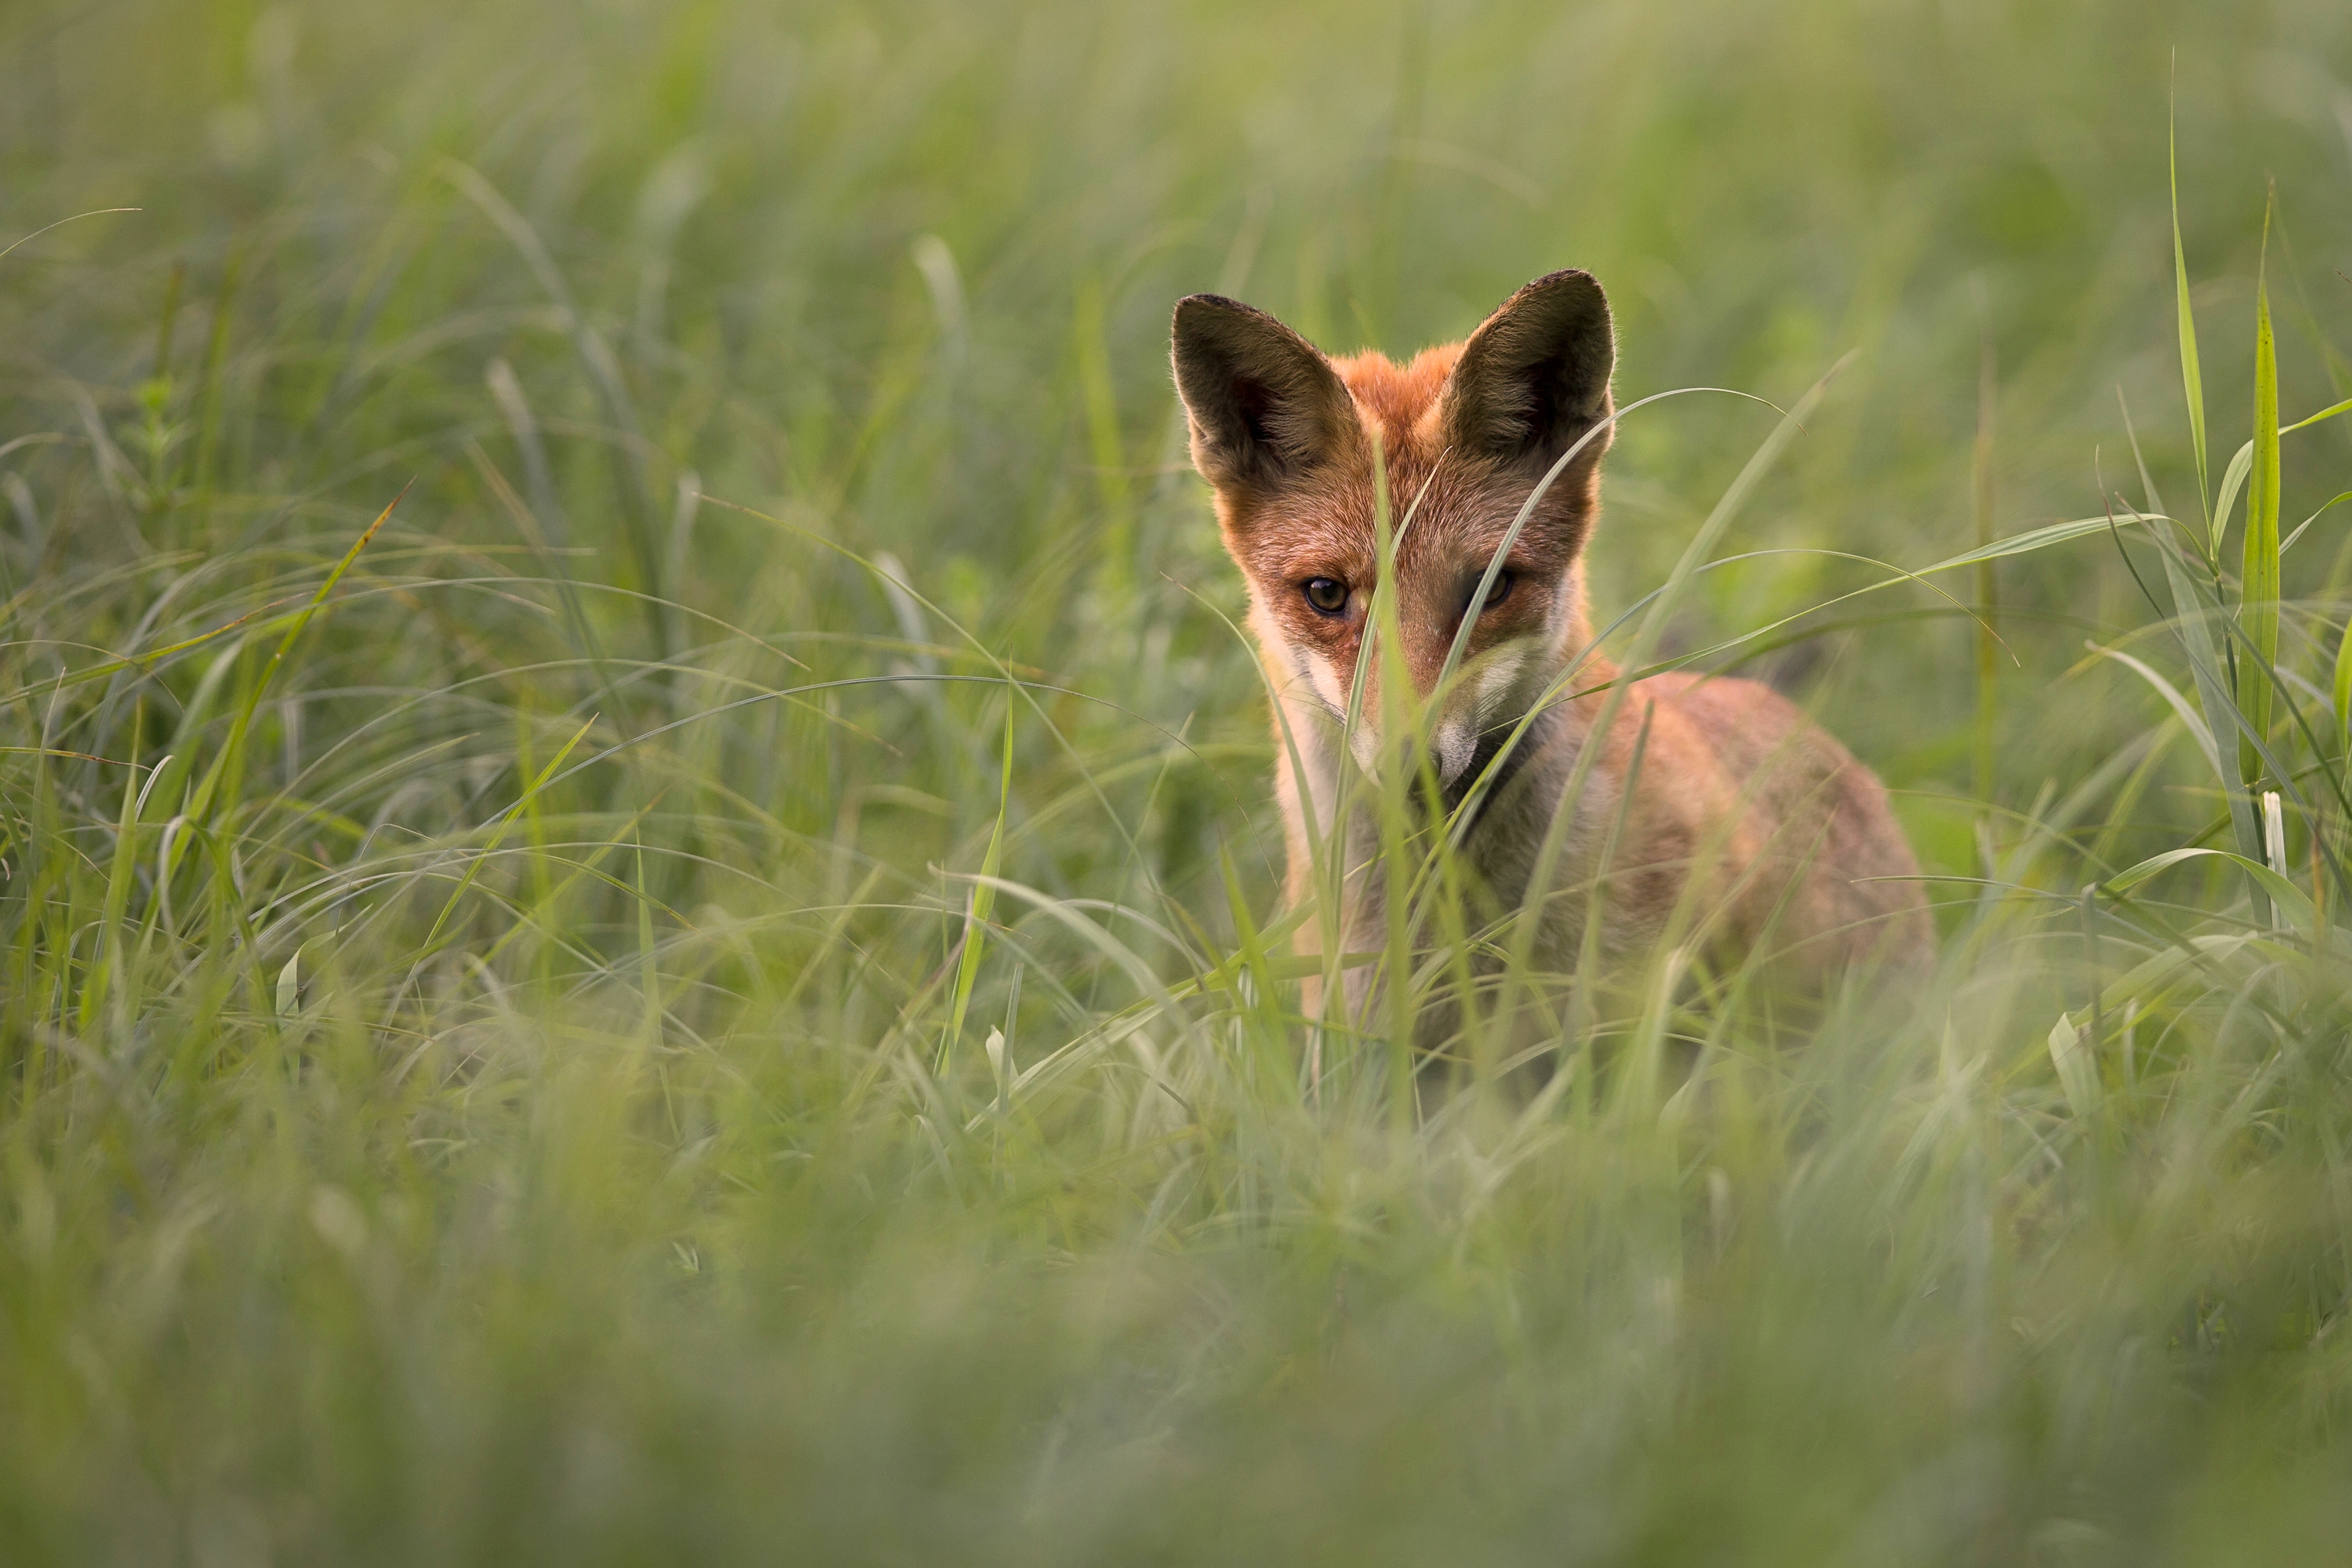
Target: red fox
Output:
[(1715, 795)]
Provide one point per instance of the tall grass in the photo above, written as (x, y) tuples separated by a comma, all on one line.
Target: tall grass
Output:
[(638, 910)]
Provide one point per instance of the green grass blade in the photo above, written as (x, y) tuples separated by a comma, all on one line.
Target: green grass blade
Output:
[(2034, 539), (650, 976), (2192, 621), (1988, 638), (2234, 480), (2194, 722), (2241, 465), (2330, 412), (287, 994), (114, 950), (2343, 684), (202, 803), (76, 218), (983, 894), (2192, 384), (2258, 610), (2304, 527), (2290, 899), (499, 832)]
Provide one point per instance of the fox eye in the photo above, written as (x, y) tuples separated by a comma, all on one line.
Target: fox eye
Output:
[(1499, 593), (1328, 594)]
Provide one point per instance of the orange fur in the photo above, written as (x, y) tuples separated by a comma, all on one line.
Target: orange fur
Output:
[(1745, 825)]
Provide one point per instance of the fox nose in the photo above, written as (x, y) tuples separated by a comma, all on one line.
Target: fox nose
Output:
[(1455, 744), (1450, 750)]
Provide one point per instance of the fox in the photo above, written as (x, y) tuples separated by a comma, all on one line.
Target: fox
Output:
[(1707, 811)]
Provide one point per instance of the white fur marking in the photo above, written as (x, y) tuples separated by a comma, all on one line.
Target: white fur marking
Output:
[(1457, 742), (1495, 681)]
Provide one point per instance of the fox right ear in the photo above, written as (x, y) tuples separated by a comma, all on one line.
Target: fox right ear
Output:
[(1263, 403), (1534, 378)]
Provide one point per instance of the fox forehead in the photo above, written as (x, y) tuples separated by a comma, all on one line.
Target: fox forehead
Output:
[(1454, 513), (1330, 532), (1400, 401), (1323, 525)]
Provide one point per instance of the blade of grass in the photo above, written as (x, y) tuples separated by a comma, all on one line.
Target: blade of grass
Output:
[(2287, 543), (2258, 610), (2330, 412), (74, 217), (120, 873), (1988, 638), (983, 897), (2343, 684), (202, 803), (2241, 463), (2234, 480), (499, 831), (2284, 894), (2191, 383), (2191, 622)]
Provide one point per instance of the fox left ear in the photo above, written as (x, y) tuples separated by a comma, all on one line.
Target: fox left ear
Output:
[(1535, 377), (1264, 404)]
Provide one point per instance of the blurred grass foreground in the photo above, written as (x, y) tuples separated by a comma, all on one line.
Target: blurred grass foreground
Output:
[(508, 1052)]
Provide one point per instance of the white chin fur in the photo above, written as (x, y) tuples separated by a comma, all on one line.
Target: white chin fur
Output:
[(1456, 742), (1486, 696)]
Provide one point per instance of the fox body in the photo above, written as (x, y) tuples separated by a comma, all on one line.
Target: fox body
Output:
[(1700, 811)]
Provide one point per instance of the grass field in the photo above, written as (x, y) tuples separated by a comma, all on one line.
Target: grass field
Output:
[(639, 910)]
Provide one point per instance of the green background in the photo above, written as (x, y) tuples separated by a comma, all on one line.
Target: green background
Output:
[(401, 1164)]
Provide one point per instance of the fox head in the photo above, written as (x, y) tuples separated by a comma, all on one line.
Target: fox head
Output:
[(1289, 438)]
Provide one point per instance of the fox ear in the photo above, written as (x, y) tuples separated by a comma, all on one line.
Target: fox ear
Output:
[(1264, 404), (1535, 377)]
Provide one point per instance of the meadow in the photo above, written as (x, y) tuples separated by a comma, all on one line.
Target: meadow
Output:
[(639, 910)]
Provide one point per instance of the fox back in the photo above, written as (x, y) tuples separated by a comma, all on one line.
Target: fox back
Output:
[(1700, 811)]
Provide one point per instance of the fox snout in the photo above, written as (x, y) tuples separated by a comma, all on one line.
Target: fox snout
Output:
[(1454, 755), (1457, 724)]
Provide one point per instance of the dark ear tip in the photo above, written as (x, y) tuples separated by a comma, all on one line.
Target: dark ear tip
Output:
[(1200, 309), (1568, 280)]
